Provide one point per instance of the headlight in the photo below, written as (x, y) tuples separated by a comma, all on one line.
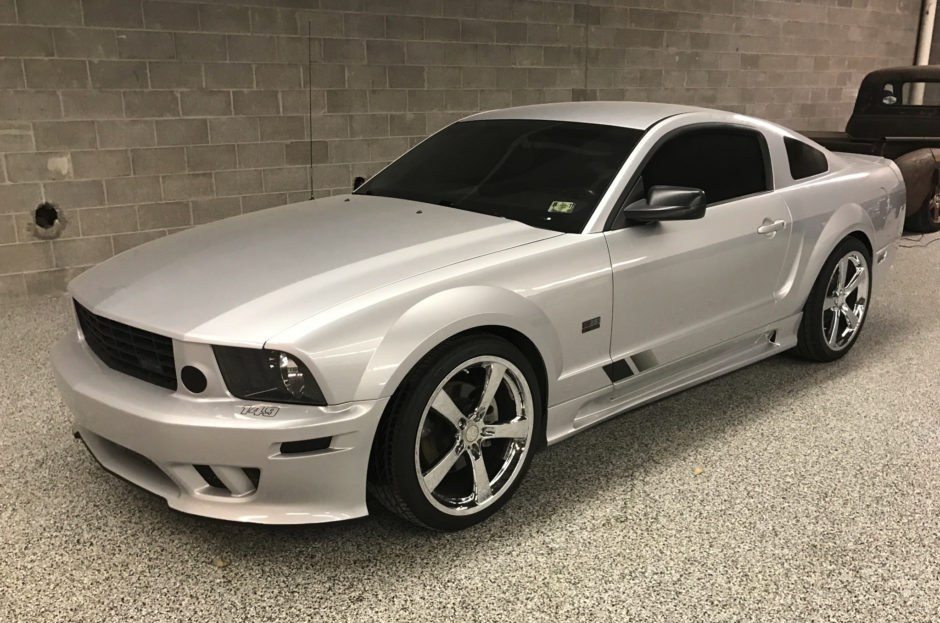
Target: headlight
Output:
[(267, 375)]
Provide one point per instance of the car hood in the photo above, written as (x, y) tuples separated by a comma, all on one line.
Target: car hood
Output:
[(242, 280)]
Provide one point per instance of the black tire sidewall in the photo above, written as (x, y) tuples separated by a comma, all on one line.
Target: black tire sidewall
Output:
[(411, 401)]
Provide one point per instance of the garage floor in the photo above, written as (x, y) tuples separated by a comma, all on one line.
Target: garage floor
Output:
[(818, 499)]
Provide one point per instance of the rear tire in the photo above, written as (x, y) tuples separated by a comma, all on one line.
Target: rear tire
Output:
[(459, 434), (837, 306), (927, 219)]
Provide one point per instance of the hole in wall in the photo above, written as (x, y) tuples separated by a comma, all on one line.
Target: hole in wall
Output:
[(48, 221)]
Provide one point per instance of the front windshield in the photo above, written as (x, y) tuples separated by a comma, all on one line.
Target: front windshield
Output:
[(549, 174)]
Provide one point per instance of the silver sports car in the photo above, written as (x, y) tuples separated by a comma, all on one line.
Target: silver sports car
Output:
[(515, 278)]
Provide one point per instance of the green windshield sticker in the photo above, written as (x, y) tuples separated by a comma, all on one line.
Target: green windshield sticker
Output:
[(565, 207)]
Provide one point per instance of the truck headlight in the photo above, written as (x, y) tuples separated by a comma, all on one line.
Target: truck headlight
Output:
[(267, 375)]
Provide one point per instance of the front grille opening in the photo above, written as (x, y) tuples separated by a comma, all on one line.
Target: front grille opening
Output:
[(254, 475), (135, 352), (305, 445)]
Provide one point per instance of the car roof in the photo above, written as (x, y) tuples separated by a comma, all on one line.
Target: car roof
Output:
[(636, 115)]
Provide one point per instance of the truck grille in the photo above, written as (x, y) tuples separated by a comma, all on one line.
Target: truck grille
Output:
[(138, 353)]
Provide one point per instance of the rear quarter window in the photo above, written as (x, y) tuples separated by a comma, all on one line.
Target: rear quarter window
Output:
[(805, 161)]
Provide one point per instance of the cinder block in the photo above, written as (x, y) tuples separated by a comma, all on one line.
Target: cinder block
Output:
[(366, 126), (41, 166), (144, 44), (182, 132), (270, 76), (297, 102), (123, 242), (493, 99), (424, 53), (109, 13), (137, 189), (403, 77), (367, 77), (282, 128), (100, 163), (299, 152), (92, 104), (324, 76), (206, 104), (404, 27), (233, 130), (25, 41), (466, 100), (12, 286), (118, 74), (229, 76), (7, 229), (55, 74), (84, 43), (159, 160), (332, 176), (256, 155), (256, 102), (16, 136), (339, 151), (274, 21), (151, 104), (130, 133), (163, 215), (442, 77), (11, 74), (423, 101), (19, 197), (296, 50), (175, 75), (408, 124), (344, 51), (81, 251), (210, 157), (170, 15), (254, 48), (347, 100), (50, 12), (235, 183), (253, 203), (320, 23), (107, 220), (208, 210), (68, 195), (65, 134), (383, 149), (330, 126), (441, 29), (200, 47), (388, 100), (220, 18), (381, 52), (45, 282), (187, 186), (21, 257), (286, 178)]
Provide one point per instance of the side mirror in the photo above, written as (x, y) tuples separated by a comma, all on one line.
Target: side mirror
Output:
[(358, 181), (668, 203)]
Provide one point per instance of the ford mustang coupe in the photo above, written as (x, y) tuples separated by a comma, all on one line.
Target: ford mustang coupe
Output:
[(517, 277)]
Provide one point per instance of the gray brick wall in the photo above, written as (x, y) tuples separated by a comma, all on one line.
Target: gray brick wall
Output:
[(139, 118)]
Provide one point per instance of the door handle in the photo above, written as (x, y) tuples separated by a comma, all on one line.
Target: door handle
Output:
[(769, 227)]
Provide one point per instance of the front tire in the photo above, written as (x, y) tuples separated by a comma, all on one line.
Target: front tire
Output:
[(459, 434), (838, 304)]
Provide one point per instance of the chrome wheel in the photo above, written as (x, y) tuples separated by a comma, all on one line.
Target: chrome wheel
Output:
[(933, 208), (846, 301), (474, 435)]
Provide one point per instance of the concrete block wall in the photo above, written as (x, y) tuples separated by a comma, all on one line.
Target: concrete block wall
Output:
[(141, 117)]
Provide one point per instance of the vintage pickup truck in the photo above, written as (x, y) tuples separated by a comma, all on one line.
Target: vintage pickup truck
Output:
[(897, 115)]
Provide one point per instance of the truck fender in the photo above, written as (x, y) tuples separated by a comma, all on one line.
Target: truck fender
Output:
[(921, 172), (443, 315)]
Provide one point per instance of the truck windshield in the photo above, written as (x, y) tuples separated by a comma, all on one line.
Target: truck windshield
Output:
[(548, 174)]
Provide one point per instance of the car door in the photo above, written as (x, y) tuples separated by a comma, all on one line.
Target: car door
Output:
[(682, 286)]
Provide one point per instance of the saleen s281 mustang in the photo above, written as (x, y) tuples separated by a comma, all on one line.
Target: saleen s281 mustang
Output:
[(516, 277)]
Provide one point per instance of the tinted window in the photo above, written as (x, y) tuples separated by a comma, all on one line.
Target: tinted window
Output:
[(805, 161), (724, 163), (549, 174)]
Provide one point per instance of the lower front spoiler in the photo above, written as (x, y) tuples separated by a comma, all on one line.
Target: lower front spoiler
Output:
[(207, 458)]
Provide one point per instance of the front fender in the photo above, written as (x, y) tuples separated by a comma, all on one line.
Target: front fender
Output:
[(445, 314)]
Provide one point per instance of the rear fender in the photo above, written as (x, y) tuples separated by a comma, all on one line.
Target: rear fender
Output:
[(921, 172)]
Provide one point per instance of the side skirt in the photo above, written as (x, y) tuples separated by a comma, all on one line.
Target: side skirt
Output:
[(633, 391)]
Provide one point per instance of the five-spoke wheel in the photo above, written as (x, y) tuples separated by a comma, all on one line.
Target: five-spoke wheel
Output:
[(460, 434), (837, 305)]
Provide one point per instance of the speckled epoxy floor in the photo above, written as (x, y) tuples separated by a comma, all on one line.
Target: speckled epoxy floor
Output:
[(819, 499)]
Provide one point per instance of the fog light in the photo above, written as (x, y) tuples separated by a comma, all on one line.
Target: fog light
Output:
[(291, 375), (194, 380)]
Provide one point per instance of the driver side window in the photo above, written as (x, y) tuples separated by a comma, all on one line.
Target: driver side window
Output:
[(725, 163)]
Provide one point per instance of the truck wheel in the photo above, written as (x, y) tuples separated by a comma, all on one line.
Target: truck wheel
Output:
[(927, 219)]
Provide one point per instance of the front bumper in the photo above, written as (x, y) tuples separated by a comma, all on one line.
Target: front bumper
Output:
[(162, 441)]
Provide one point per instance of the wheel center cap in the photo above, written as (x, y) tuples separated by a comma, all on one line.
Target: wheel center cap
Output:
[(471, 433)]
